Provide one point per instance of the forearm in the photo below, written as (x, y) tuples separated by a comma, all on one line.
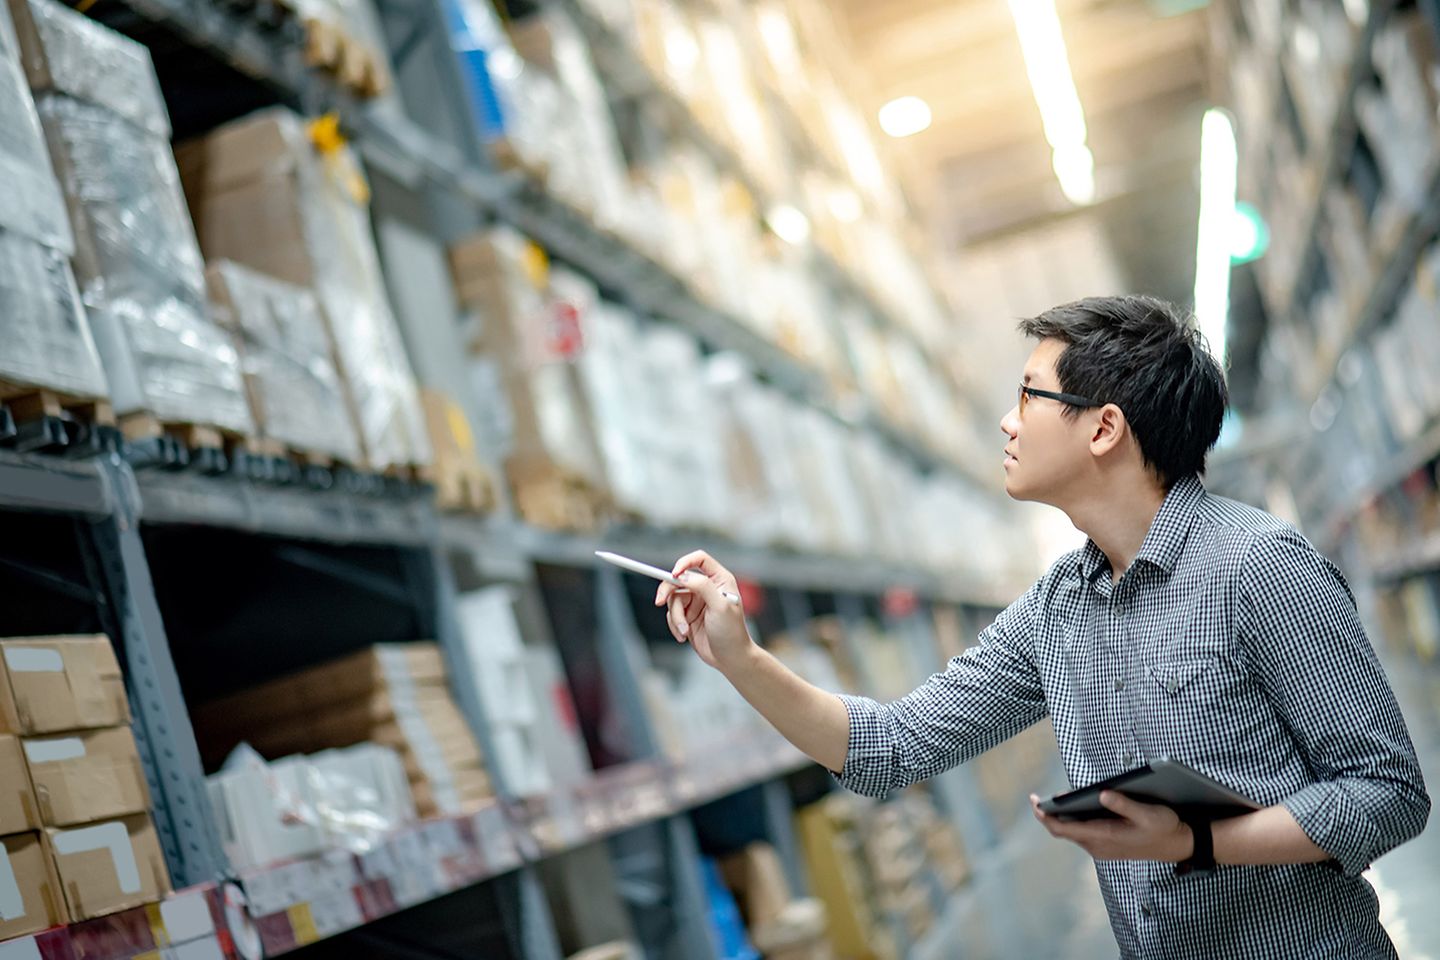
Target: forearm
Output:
[(813, 720), (1263, 838)]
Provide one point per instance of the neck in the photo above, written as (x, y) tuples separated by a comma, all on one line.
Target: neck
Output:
[(1117, 520)]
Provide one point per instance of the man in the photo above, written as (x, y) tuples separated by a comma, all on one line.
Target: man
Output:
[(1189, 627)]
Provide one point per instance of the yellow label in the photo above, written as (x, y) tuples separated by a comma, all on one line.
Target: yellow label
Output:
[(325, 133), (157, 925), (460, 428), (302, 924), (536, 264)]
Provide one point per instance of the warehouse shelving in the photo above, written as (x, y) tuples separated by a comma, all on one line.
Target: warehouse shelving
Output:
[(273, 56), (186, 571), (1330, 503)]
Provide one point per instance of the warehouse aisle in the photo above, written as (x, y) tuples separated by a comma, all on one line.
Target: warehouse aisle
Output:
[(1045, 893)]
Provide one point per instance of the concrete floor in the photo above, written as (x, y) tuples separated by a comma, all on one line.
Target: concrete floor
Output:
[(1043, 892)]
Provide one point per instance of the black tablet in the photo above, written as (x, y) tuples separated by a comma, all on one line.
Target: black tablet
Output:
[(1163, 781)]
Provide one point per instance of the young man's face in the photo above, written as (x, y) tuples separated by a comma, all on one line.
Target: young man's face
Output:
[(1044, 447)]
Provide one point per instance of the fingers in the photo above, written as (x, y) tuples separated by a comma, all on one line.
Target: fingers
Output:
[(1123, 806), (697, 560), (675, 617)]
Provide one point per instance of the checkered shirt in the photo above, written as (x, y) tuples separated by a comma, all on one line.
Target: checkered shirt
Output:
[(1230, 645)]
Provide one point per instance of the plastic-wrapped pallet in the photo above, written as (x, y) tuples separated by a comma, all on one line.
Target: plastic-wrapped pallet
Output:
[(136, 260), (287, 198), (47, 337), (295, 392)]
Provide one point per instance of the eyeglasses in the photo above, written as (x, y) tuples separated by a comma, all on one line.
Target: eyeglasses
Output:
[(1023, 393)]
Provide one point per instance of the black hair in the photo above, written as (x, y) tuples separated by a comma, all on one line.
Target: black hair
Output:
[(1150, 360)]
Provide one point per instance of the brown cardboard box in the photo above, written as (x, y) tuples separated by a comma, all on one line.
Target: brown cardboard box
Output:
[(758, 881), (33, 902), (85, 777), (55, 684), (18, 812), (108, 867)]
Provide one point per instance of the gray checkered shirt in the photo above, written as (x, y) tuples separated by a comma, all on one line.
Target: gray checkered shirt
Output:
[(1231, 645)]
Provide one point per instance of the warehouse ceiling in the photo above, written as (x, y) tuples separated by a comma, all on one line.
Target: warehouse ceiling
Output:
[(983, 167)]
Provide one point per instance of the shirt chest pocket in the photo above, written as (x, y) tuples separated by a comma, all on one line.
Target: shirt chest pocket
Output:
[(1176, 678)]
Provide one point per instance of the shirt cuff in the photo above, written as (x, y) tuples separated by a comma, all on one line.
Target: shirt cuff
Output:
[(869, 761), (1335, 823)]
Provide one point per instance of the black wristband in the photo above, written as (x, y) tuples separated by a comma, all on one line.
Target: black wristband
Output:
[(1202, 858)]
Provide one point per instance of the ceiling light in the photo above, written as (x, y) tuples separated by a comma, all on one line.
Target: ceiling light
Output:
[(789, 224), (1075, 169), (1218, 163), (905, 117), (1048, 66), (845, 205)]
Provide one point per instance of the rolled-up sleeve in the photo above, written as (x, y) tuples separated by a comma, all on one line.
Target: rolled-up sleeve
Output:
[(1298, 622), (984, 696)]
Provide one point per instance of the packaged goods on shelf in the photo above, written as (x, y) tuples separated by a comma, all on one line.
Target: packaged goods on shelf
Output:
[(1422, 615), (593, 171), (561, 742), (304, 805), (532, 332), (694, 710), (47, 335), (462, 481), (86, 776), (829, 836), (287, 198), (136, 259), (33, 900), (585, 902), (1317, 55), (780, 925), (107, 867), (395, 695), (345, 38), (32, 204), (57, 684), (619, 950), (1399, 118), (497, 657), (295, 392)]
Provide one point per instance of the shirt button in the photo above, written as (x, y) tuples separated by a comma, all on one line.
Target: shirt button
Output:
[(1120, 683), (1129, 759), (1145, 908)]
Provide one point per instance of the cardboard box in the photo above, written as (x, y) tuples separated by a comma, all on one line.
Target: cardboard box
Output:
[(18, 812), (108, 867), (85, 777), (30, 897), (757, 879), (68, 52), (57, 684)]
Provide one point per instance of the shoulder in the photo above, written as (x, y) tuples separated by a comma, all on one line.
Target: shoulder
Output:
[(1258, 549)]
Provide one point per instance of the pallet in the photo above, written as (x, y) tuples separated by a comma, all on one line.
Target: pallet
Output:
[(559, 499), (152, 442), (329, 47), (41, 419)]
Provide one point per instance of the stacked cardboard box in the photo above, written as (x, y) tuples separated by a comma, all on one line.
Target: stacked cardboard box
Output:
[(288, 198), (296, 396), (74, 809), (781, 926), (47, 336), (136, 259), (830, 834), (395, 695), (532, 332)]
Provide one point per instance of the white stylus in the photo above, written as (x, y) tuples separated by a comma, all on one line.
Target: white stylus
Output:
[(635, 566)]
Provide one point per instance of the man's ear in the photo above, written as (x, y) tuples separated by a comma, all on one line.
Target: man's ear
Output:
[(1110, 430)]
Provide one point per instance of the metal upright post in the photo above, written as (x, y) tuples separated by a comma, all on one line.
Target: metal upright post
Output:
[(184, 818), (529, 924)]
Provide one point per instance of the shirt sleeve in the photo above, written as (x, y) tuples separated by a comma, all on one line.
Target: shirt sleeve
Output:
[(1297, 620), (984, 696)]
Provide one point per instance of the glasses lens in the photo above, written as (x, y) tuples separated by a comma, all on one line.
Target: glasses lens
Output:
[(1020, 397)]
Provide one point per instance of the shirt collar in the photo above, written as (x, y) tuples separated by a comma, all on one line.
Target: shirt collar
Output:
[(1162, 544)]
